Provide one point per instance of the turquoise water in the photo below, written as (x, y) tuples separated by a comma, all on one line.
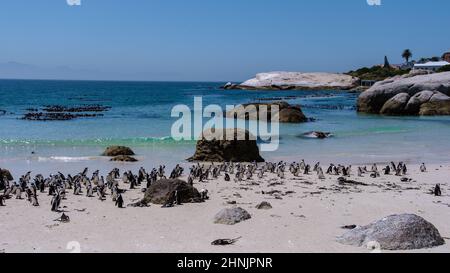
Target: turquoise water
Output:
[(140, 117)]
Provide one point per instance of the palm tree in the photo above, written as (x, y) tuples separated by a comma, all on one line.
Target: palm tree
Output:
[(407, 55)]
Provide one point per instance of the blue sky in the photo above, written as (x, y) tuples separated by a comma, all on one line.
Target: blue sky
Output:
[(211, 40)]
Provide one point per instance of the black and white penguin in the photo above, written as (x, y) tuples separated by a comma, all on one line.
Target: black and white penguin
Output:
[(119, 201), (56, 201), (423, 168), (437, 190)]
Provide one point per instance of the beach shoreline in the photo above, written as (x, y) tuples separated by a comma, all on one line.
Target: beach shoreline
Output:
[(307, 220)]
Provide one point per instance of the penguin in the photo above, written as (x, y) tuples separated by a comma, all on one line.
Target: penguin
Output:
[(387, 170), (261, 174), (7, 192), (77, 188), (2, 198), (119, 201), (344, 172), (316, 167), (423, 168), (302, 164), (227, 177), (320, 173), (330, 169), (32, 198), (177, 198), (190, 181), (89, 189), (204, 194), (437, 190), (374, 168), (56, 201), (307, 168), (393, 167), (18, 193), (360, 172), (42, 187)]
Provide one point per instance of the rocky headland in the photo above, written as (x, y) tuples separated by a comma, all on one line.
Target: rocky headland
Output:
[(297, 81)]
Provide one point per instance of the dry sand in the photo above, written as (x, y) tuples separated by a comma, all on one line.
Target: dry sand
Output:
[(307, 220)]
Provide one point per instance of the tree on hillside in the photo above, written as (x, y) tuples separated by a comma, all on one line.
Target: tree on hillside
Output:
[(386, 62), (407, 54)]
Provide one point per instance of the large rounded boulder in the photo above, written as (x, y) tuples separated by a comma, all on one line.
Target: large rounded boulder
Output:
[(227, 145), (395, 232), (4, 173), (117, 150), (374, 99), (163, 191), (231, 216), (395, 105), (263, 111)]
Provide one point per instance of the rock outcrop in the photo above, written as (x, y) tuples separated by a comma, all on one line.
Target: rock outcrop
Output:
[(297, 81), (395, 232), (4, 173), (163, 191), (424, 95), (118, 150), (227, 145), (255, 111), (231, 216)]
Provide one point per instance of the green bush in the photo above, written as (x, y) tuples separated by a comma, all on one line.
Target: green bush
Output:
[(377, 73), (444, 69)]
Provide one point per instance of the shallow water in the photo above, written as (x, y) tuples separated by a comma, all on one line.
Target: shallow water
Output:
[(140, 118)]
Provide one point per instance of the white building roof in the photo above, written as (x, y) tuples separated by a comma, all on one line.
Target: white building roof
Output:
[(432, 64)]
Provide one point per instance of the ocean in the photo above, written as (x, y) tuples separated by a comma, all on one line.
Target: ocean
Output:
[(140, 117)]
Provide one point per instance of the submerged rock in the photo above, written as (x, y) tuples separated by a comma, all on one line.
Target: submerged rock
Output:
[(53, 116), (317, 134), (255, 111), (241, 147), (61, 113), (231, 216), (395, 232), (117, 150), (298, 81), (124, 158)]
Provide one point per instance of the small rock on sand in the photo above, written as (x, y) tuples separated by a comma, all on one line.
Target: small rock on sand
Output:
[(395, 232), (231, 216), (264, 205)]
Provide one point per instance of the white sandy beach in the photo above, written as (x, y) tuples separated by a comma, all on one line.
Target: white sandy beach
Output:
[(307, 220)]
